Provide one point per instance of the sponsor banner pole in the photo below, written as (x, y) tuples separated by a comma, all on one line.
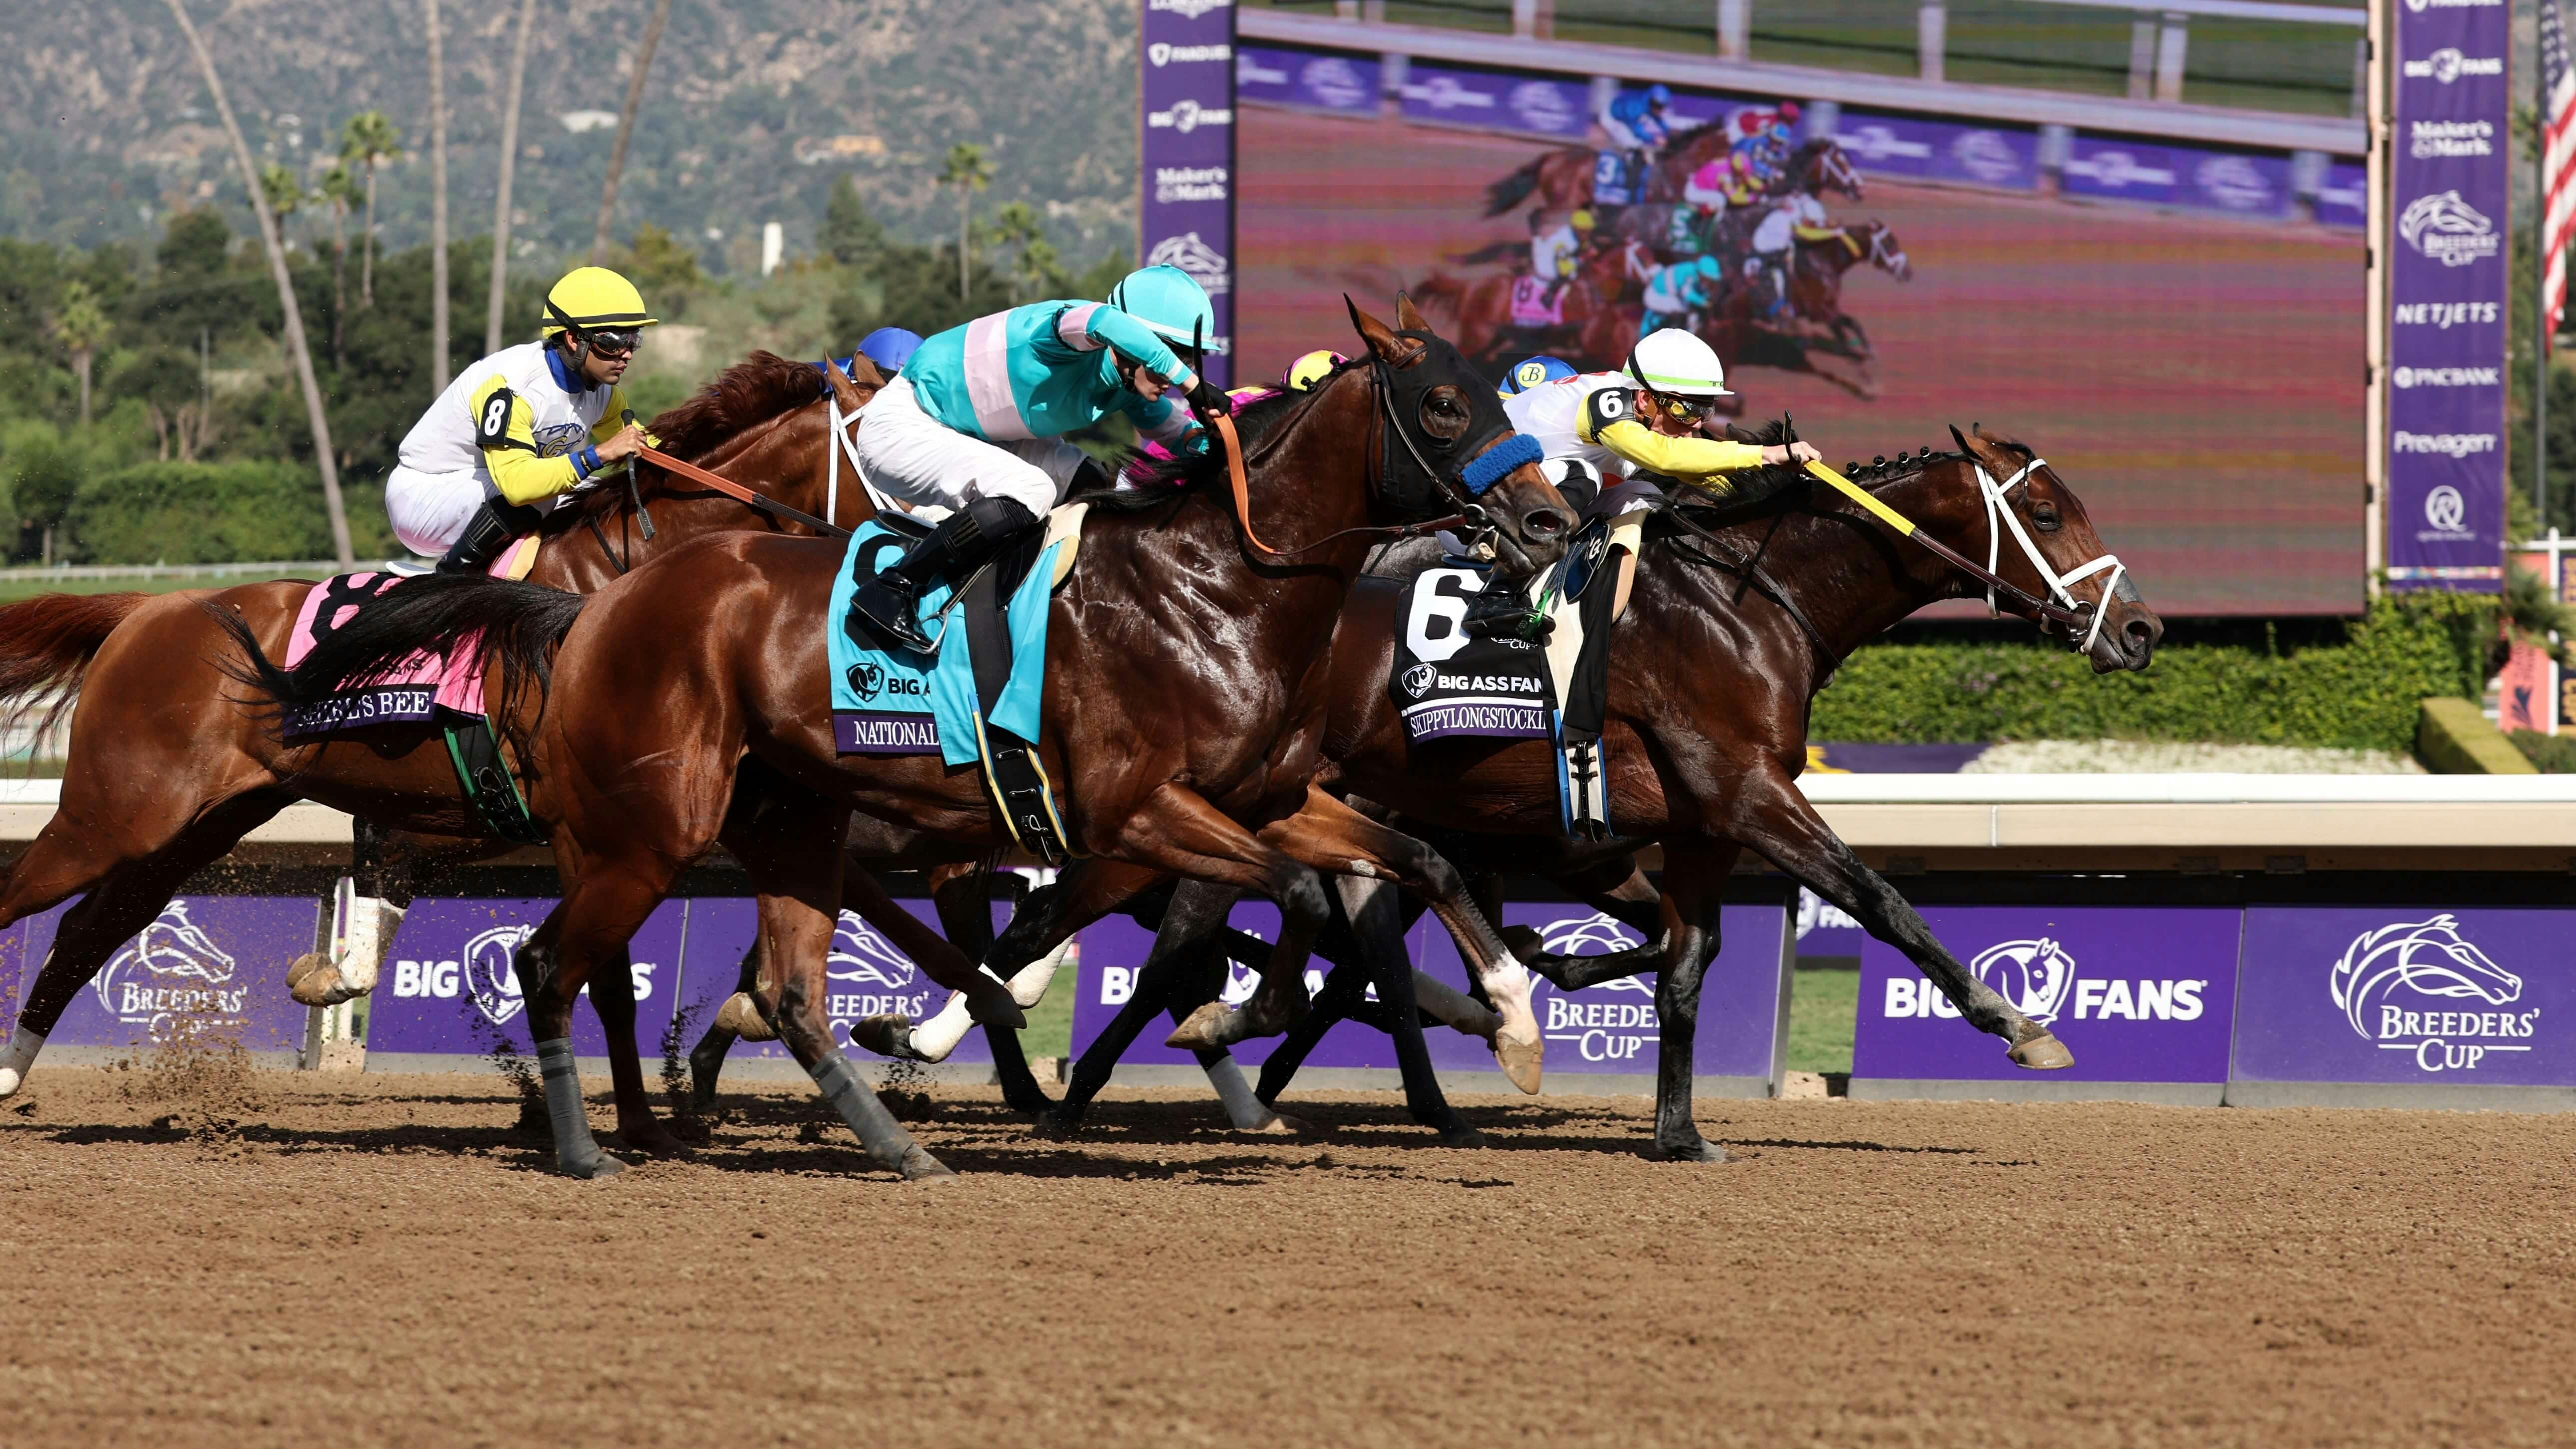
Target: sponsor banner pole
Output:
[(2447, 303), (1185, 63), (2374, 491)]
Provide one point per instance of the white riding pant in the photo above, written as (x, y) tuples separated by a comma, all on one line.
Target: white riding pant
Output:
[(917, 460), (430, 510), (1622, 138)]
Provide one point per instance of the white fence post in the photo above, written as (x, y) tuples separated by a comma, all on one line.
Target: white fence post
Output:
[(1734, 29), (2170, 42), (1931, 37), (2142, 58)]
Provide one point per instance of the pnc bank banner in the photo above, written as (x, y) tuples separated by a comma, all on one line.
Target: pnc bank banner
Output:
[(1186, 64), (2447, 281)]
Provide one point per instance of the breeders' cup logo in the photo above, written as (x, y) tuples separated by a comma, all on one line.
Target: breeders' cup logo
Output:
[(2445, 510), (1987, 156), (491, 975), (172, 968), (2234, 182), (1418, 679), (2448, 230), (1601, 1028), (1188, 116), (1876, 144), (1542, 106), (2389, 983), (1335, 82), (2034, 975), (2118, 170), (2447, 65), (1444, 93), (1205, 264), (859, 954)]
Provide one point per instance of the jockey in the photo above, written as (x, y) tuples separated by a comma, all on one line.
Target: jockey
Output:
[(887, 349), (522, 428), (1533, 372), (1680, 290), (1634, 122), (1796, 218), (975, 422), (1645, 420), (1554, 255)]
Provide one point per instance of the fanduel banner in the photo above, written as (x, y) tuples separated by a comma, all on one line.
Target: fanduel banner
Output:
[(2446, 351), (1186, 57)]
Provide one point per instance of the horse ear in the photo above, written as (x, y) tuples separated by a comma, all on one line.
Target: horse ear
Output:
[(844, 391), (863, 371), (1376, 334), (1962, 440), (1406, 318)]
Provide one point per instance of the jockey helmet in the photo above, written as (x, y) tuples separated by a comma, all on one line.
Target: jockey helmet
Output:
[(1306, 371), (1659, 96), (1535, 372), (1710, 267), (1580, 221), (594, 299), (1169, 302), (1788, 111), (889, 348), (1677, 364)]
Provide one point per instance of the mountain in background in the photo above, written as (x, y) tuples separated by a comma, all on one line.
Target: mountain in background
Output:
[(752, 111)]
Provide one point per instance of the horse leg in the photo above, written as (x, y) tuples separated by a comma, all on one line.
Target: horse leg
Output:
[(1631, 900), (1770, 816), (963, 896), (383, 870), (1195, 917), (127, 883), (1330, 835), (1374, 915), (706, 1059), (975, 993), (612, 995), (1694, 892)]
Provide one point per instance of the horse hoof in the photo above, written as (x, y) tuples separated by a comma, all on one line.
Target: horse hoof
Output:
[(2042, 1053), (11, 1079), (1526, 944), (1281, 1125), (1206, 1027), (743, 1019), (598, 1165), (993, 1004), (313, 981), (1459, 1134), (886, 1035), (1056, 1125), (920, 1166), (1696, 1150), (654, 1140), (1520, 1060)]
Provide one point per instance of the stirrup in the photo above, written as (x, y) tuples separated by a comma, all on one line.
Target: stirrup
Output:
[(893, 611)]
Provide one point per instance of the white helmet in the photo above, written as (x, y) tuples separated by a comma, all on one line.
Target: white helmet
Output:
[(1677, 363)]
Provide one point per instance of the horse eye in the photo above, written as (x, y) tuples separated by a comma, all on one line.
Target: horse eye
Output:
[(2045, 515)]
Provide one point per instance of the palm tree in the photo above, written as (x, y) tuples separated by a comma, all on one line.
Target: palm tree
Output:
[(285, 197), (82, 327), (340, 189), (626, 129), (968, 171), (370, 140), (438, 363), (509, 164), (1016, 224), (296, 346)]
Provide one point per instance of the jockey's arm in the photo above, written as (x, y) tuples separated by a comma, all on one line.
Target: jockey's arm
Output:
[(1699, 461), (1817, 234), (614, 419), (1090, 326), (1156, 418), (505, 431)]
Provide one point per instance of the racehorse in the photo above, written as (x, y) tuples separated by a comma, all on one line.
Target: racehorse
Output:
[(1816, 300), (1562, 175), (1819, 167), (1590, 308), (1180, 698), (1734, 623), (168, 770)]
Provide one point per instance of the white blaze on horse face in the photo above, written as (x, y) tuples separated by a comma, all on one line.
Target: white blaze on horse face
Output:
[(17, 1058)]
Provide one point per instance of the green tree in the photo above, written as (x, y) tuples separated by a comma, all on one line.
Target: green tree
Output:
[(369, 140), (195, 246), (968, 171), (661, 267), (44, 470), (82, 326), (340, 190), (278, 184), (850, 235)]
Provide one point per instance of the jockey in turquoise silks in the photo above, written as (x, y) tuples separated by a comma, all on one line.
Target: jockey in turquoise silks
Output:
[(975, 422)]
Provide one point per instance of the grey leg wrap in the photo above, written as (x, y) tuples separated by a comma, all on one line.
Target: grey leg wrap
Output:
[(884, 1138), (576, 1151)]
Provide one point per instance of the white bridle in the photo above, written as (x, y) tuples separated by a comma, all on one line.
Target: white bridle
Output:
[(1999, 508), (845, 440)]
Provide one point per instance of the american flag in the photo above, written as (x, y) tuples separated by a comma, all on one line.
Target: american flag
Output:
[(2558, 163)]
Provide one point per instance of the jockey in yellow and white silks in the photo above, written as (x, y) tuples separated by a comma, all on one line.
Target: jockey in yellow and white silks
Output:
[(519, 430), (1644, 419), (976, 421)]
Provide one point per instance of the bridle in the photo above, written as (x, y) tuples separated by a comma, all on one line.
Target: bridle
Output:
[(2061, 607)]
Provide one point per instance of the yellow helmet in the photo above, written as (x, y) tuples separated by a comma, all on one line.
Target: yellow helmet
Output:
[(1314, 367), (590, 297), (1581, 221)]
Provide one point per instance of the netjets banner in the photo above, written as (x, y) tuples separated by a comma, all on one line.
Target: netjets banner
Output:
[(2446, 388), (1186, 57)]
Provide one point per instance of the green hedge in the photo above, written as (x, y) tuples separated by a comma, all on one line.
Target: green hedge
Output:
[(2361, 693), (216, 513)]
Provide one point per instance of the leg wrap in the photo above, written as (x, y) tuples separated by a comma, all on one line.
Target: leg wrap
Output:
[(878, 1132), (17, 1058), (576, 1151), (1242, 1109)]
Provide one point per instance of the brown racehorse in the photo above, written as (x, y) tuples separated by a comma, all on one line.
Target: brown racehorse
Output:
[(1561, 177), (1815, 300), (1711, 674), (1180, 702), (168, 770), (1590, 308)]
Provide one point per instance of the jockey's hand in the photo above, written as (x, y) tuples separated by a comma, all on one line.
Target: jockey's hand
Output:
[(626, 444), (1209, 400), (1791, 453)]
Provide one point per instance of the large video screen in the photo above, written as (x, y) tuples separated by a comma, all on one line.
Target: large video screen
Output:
[(2178, 331)]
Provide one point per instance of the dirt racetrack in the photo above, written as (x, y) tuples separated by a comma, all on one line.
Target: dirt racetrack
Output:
[(347, 1261)]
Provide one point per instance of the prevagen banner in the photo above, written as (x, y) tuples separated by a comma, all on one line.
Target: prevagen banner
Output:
[(2143, 996), (2446, 350), (208, 970), (1185, 53)]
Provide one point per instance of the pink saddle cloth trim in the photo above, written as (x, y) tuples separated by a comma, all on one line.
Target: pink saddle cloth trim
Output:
[(1529, 303), (456, 679)]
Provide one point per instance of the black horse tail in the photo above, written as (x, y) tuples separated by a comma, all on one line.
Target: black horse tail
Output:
[(1507, 193), (521, 624)]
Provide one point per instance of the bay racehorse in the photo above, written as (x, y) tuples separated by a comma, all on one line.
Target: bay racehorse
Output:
[(1560, 178), (1821, 327), (1184, 656), (1594, 315), (1731, 628)]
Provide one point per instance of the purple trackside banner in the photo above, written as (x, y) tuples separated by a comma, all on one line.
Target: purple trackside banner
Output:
[(1185, 56), (208, 968), (2139, 994), (2446, 398), (1317, 80), (867, 975), (450, 990), (1497, 99), (2412, 995), (1606, 1030), (1940, 150)]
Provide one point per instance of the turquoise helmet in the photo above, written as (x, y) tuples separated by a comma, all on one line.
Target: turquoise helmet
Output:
[(1170, 302)]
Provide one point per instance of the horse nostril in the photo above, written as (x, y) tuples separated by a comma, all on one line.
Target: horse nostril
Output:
[(1543, 523), (2141, 636)]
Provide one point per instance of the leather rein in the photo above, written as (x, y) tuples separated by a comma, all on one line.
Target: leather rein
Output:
[(705, 479), (1470, 515)]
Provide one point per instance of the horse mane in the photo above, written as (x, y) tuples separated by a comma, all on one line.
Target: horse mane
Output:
[(754, 390), (1165, 478)]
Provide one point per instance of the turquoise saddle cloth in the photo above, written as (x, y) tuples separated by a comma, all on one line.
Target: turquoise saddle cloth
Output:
[(894, 702)]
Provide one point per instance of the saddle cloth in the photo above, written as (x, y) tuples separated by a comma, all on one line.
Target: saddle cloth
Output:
[(413, 690), (1614, 181), (1530, 307)]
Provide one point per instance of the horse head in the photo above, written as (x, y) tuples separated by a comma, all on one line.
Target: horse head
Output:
[(1886, 253), (2036, 535), (1821, 165)]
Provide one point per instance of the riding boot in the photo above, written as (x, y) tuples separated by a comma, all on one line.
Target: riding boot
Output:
[(493, 528), (892, 599)]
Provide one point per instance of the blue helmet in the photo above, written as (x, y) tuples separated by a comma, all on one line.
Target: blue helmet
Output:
[(1710, 267), (1659, 96), (889, 348), (1169, 301), (1535, 372)]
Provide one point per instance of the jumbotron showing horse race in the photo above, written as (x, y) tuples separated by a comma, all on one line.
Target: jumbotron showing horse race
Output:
[(1311, 721)]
